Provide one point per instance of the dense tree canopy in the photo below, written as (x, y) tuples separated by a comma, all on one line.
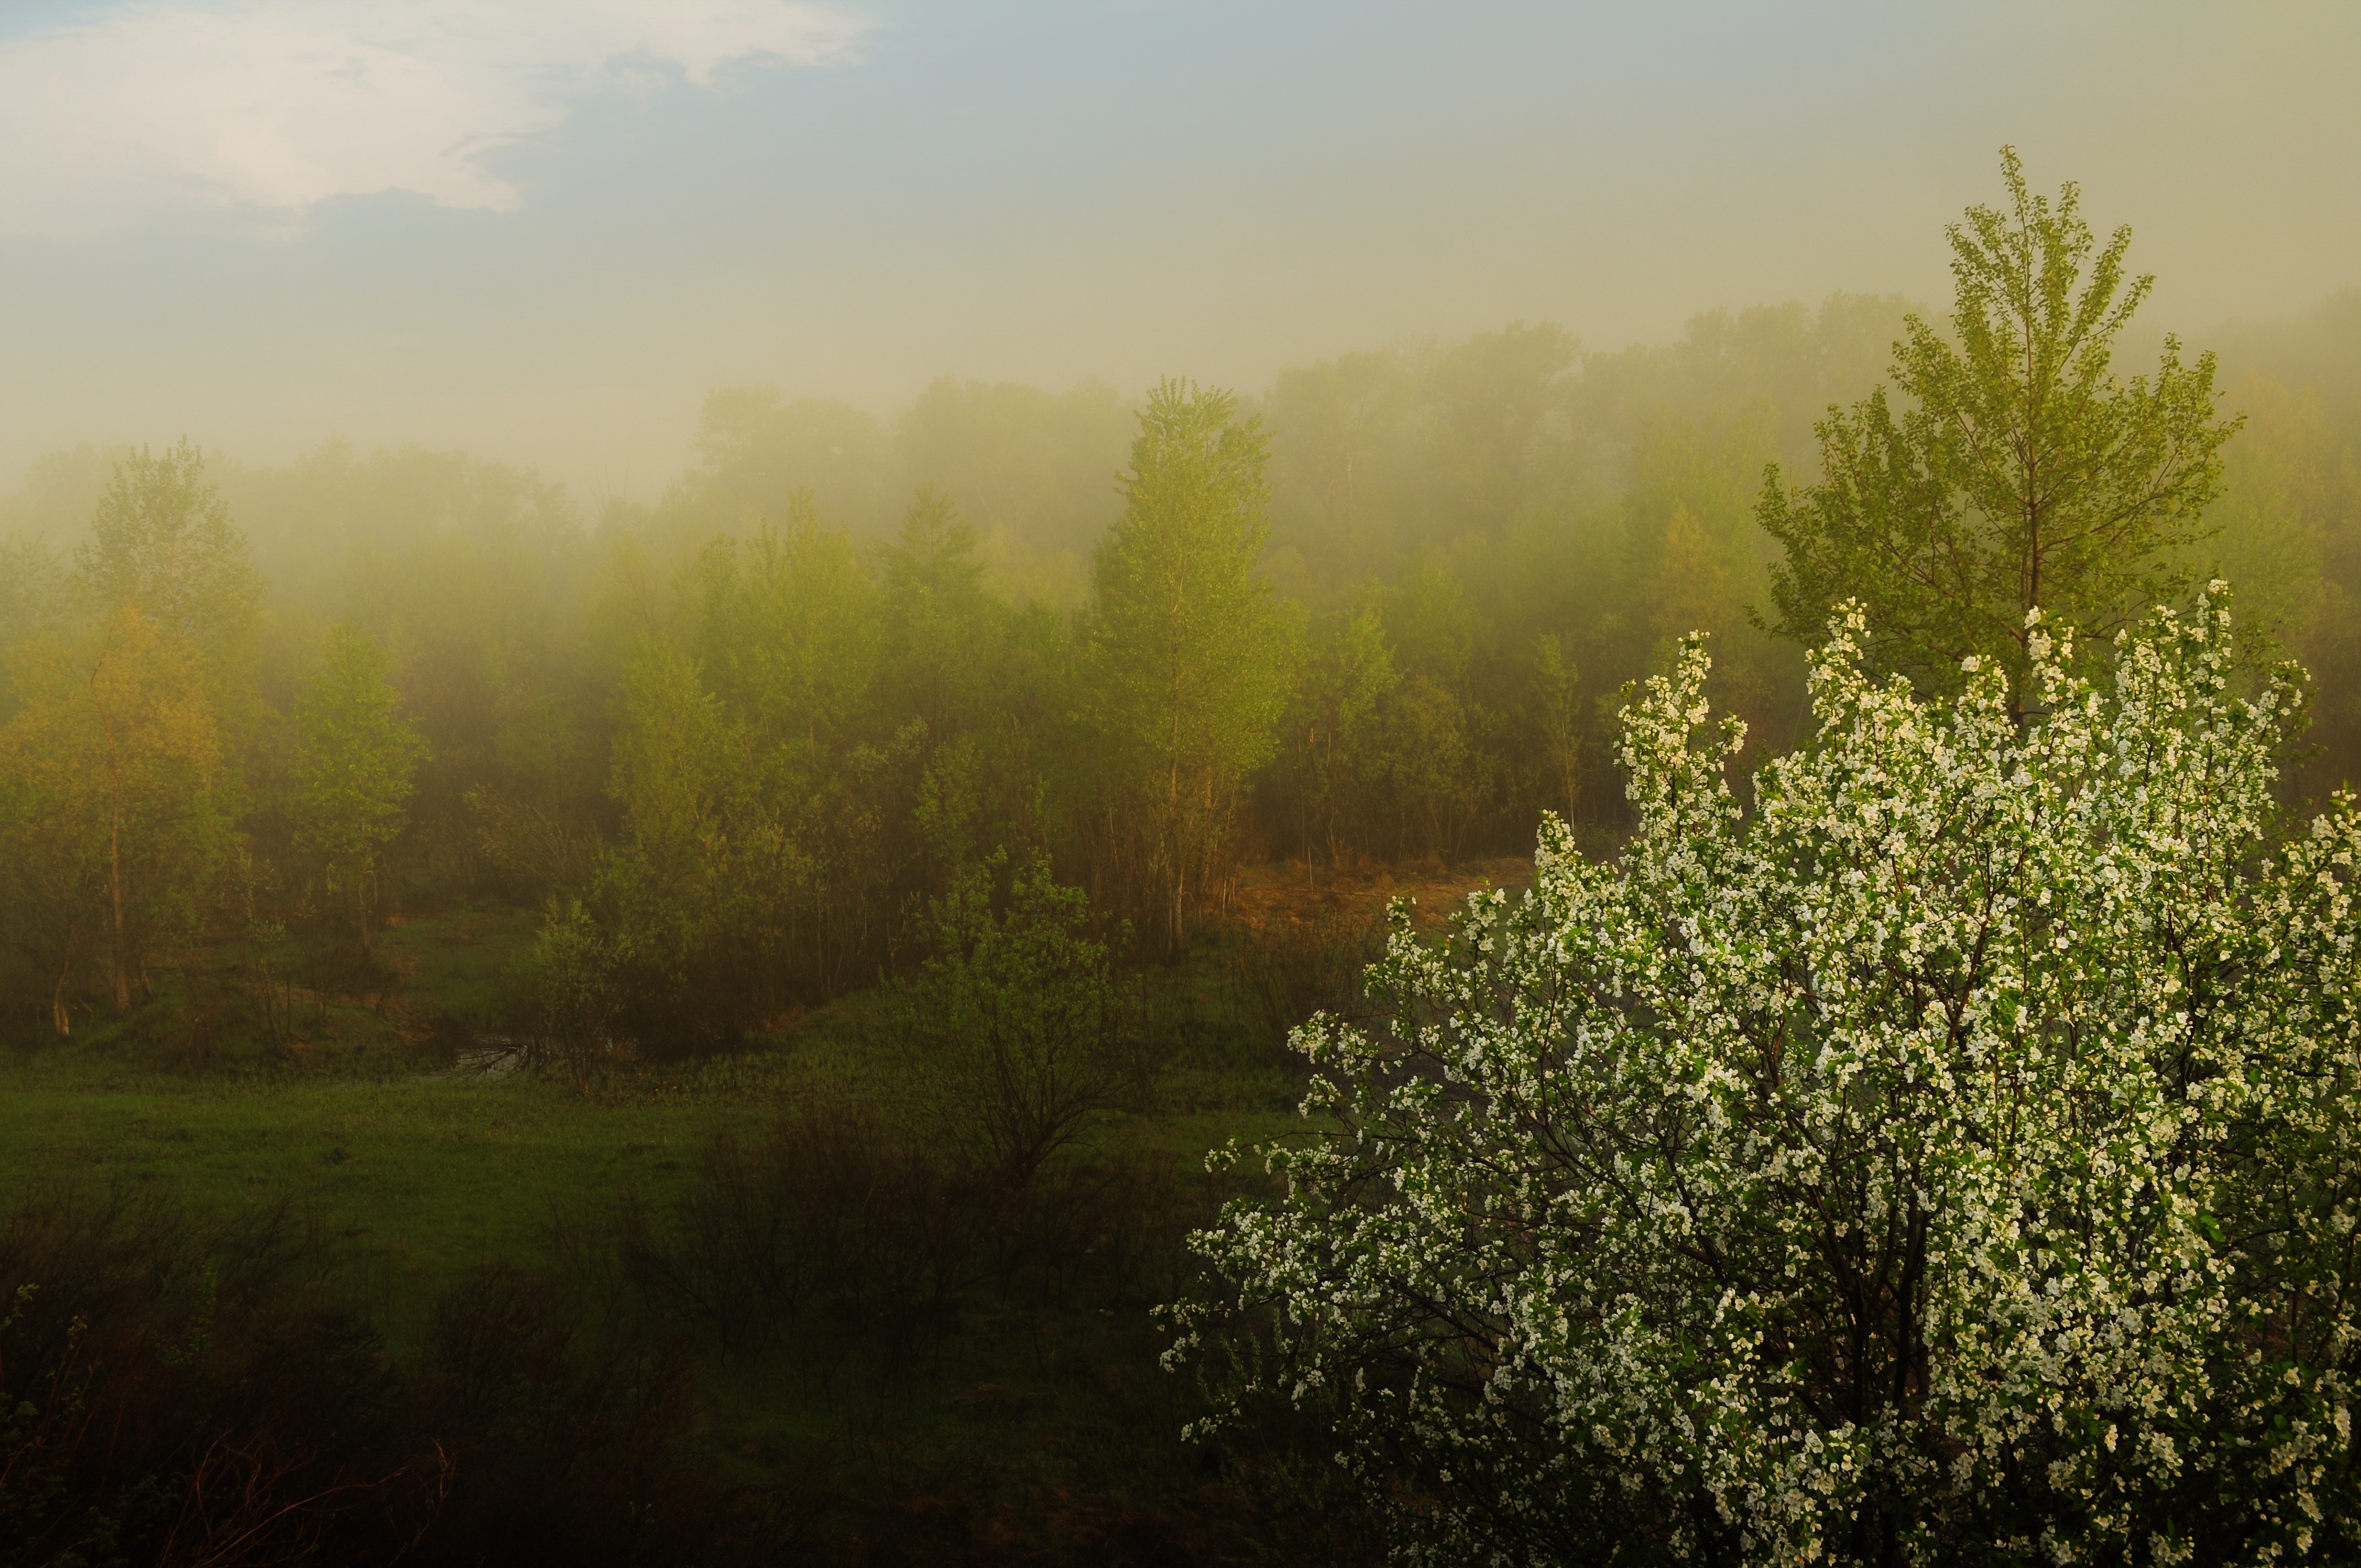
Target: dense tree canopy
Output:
[(114, 755), (753, 727)]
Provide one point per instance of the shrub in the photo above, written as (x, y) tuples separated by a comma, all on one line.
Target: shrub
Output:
[(559, 1431), (170, 1392), (1952, 1160), (828, 1213), (830, 1221), (1284, 975), (181, 1390), (570, 989), (1020, 1014)]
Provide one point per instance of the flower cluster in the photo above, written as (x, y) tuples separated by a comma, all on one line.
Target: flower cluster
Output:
[(1952, 1158)]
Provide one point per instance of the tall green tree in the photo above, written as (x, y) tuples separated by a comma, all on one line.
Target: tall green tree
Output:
[(357, 765), (108, 772), (1193, 661), (2019, 471), (161, 539)]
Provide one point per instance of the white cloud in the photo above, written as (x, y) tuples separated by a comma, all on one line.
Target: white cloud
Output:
[(271, 105)]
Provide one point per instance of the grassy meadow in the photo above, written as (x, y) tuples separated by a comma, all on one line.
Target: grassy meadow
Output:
[(1012, 1403)]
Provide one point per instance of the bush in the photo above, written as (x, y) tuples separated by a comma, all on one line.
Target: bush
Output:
[(172, 1392), (828, 1213), (1020, 1014), (558, 1431), (178, 1390), (1282, 975), (569, 989), (830, 1221), (1952, 1160)]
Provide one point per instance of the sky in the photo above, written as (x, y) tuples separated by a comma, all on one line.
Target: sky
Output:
[(541, 230)]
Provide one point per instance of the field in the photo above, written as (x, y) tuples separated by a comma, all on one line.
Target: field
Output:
[(1012, 1404)]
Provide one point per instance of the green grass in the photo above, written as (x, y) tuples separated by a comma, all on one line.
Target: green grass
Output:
[(425, 1177), (425, 1171), (442, 1169), (455, 965), (419, 1174)]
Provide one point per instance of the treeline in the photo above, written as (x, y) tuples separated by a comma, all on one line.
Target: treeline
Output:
[(737, 739)]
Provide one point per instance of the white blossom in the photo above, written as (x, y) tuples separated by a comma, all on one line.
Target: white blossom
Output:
[(1953, 1156)]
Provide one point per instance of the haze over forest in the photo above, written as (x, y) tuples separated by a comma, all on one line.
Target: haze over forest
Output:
[(734, 737), (264, 225)]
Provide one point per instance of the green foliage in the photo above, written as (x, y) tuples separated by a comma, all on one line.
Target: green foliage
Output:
[(1019, 1010), (1557, 716), (895, 1358), (571, 979), (162, 539), (788, 629), (1192, 660), (108, 770), (2020, 471), (817, 741), (358, 759), (1479, 541), (702, 864), (1951, 1159), (1330, 726), (750, 747)]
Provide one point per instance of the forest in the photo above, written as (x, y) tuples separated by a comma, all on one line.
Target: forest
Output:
[(691, 1029), (881, 650)]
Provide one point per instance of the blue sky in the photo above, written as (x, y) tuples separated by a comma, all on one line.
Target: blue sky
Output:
[(542, 229)]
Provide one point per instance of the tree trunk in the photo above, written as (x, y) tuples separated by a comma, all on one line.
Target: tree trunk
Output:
[(1173, 850), (114, 888), (58, 1014)]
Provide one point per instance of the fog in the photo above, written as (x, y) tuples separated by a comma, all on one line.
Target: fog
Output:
[(1160, 785), (262, 225)]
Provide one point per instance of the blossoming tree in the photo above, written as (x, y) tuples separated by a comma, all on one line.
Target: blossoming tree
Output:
[(1952, 1158)]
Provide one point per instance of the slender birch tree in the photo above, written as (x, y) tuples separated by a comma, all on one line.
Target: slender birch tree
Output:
[(1192, 662)]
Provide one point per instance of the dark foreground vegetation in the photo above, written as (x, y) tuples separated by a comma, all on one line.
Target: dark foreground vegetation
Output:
[(196, 1390), (693, 1034), (379, 1300)]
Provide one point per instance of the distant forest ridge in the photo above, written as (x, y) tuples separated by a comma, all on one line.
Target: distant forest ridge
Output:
[(843, 658)]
